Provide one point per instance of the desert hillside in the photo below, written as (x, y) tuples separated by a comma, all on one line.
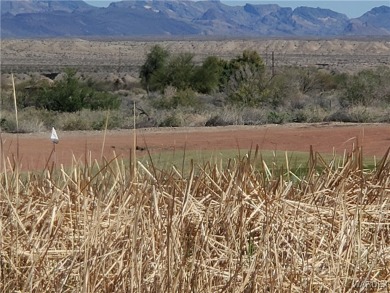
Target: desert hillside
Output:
[(127, 55)]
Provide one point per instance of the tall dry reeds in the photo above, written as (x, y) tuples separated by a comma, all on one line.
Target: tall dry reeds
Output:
[(239, 228)]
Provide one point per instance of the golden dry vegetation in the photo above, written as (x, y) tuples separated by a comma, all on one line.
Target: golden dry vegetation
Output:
[(240, 226)]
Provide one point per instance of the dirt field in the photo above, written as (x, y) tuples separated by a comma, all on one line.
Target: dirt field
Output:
[(35, 149)]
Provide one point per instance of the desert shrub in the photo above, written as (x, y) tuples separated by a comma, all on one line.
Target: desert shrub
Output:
[(313, 79), (29, 120), (298, 101), (327, 100), (26, 93), (6, 100), (227, 115), (254, 116), (185, 98), (315, 114), (104, 85), (276, 117), (359, 114), (195, 119), (98, 119), (66, 95), (8, 121), (101, 101), (146, 122), (171, 121), (69, 95), (298, 116), (88, 120), (36, 120), (73, 121), (217, 120), (384, 114), (366, 88), (182, 98), (339, 116), (279, 90)]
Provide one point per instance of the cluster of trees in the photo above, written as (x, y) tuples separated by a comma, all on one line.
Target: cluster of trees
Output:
[(245, 81), (242, 78)]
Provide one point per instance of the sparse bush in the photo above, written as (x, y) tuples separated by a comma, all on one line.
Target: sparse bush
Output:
[(254, 116), (101, 101), (68, 95), (315, 114), (216, 120), (276, 117), (183, 98), (367, 88), (312, 79), (280, 90), (8, 123), (339, 116), (30, 120), (73, 121), (359, 114), (98, 119), (298, 116), (171, 121)]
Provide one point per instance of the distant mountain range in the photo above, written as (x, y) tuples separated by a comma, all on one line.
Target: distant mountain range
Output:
[(58, 18)]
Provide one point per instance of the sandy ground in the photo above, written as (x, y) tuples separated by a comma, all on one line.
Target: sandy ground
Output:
[(35, 149)]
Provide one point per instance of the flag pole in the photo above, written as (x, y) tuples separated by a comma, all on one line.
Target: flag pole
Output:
[(55, 140)]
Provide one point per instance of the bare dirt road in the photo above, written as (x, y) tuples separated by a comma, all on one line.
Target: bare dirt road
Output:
[(35, 149)]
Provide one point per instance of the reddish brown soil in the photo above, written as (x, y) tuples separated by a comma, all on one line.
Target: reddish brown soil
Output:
[(35, 150)]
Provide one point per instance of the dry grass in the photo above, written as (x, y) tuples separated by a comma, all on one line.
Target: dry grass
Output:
[(237, 228)]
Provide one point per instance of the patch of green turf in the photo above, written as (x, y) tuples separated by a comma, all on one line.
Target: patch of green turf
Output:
[(296, 163)]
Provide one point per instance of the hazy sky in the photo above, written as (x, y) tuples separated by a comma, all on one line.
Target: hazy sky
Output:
[(351, 8)]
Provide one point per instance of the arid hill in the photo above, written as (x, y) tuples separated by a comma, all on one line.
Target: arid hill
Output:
[(47, 55)]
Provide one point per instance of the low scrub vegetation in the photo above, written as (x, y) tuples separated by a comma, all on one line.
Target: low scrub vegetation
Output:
[(240, 226), (175, 90)]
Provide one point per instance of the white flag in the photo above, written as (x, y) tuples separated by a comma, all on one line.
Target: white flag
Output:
[(54, 137)]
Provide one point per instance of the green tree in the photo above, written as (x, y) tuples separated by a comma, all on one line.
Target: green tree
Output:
[(207, 76), (154, 65), (179, 71), (244, 79)]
